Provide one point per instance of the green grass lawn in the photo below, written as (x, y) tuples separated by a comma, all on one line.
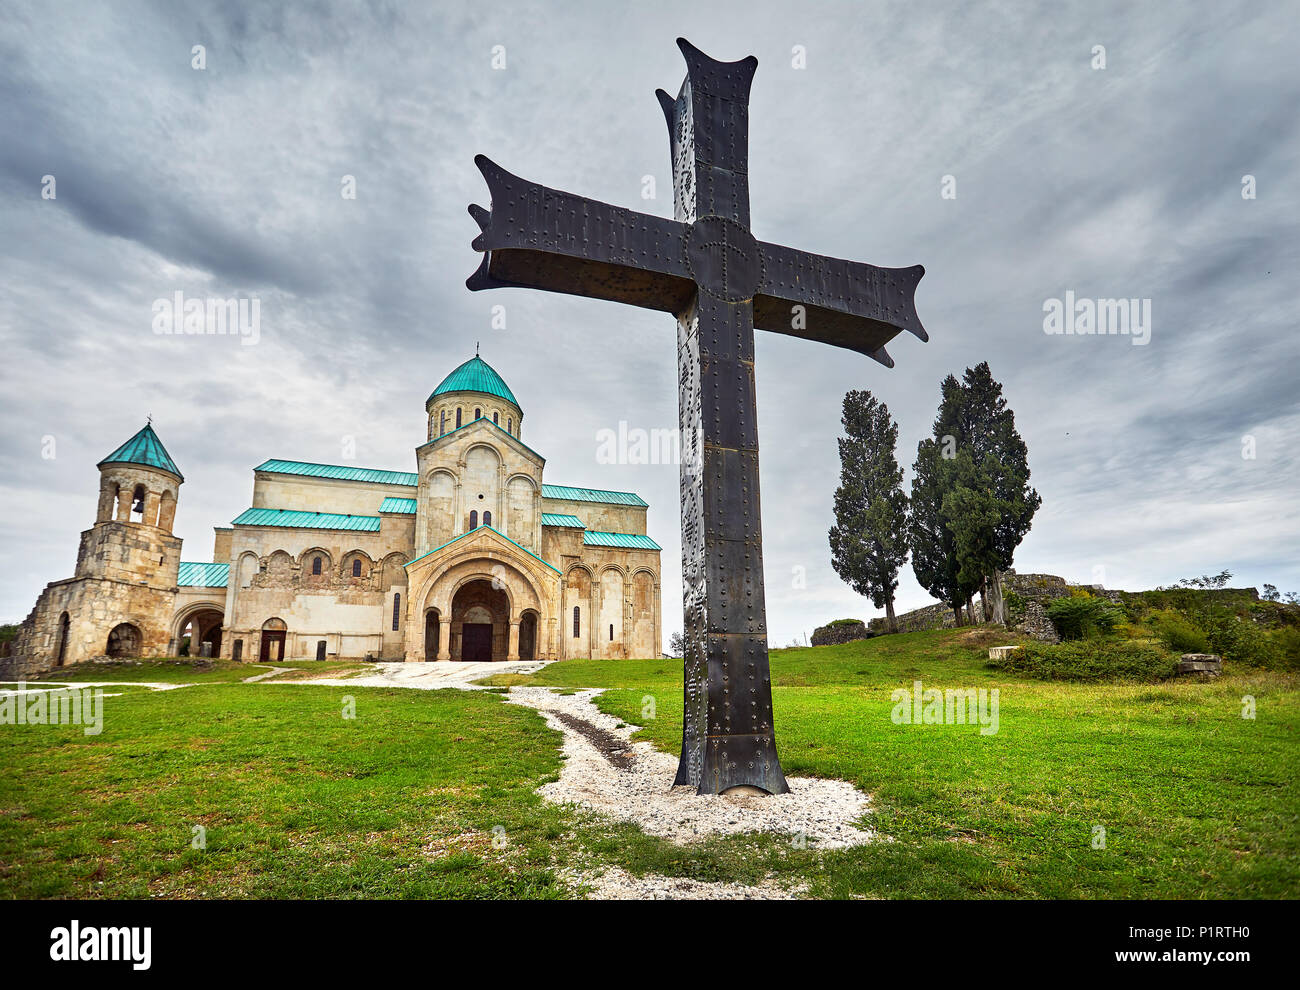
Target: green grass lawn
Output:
[(297, 801), (403, 800), (182, 671), (175, 671), (1195, 800)]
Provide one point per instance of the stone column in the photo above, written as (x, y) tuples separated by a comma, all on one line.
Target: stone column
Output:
[(151, 504), (104, 512), (499, 516), (166, 513), (444, 638), (124, 499), (512, 650)]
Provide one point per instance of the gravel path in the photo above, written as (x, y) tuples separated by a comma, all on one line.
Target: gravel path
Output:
[(614, 884), (263, 676), (606, 772), (428, 676)]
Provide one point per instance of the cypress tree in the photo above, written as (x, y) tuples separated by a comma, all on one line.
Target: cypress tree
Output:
[(869, 539)]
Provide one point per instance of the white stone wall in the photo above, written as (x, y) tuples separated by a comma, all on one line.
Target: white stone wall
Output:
[(288, 491)]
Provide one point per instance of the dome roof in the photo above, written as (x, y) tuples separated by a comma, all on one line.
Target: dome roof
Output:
[(144, 448), (476, 375)]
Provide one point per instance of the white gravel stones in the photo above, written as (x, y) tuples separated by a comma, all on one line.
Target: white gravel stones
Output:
[(821, 812), (614, 884)]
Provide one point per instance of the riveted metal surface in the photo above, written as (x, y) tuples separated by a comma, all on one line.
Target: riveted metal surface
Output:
[(706, 268)]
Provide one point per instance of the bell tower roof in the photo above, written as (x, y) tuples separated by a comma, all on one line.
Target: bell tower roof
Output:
[(476, 375), (144, 448)]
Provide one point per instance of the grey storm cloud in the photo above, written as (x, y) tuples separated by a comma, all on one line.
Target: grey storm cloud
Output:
[(1117, 182)]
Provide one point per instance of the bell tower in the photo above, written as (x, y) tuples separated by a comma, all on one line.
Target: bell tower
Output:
[(132, 537), (121, 600)]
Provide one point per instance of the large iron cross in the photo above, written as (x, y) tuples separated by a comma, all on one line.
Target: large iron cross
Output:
[(705, 268)]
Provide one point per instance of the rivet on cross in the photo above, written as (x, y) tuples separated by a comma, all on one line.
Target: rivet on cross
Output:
[(706, 268)]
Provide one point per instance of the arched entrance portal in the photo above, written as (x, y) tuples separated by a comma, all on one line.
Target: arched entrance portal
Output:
[(528, 636), (203, 627), (124, 641), (480, 622), (274, 634)]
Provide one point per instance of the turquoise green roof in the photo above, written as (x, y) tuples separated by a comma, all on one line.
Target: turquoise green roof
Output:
[(471, 532), (406, 506), (194, 575), (625, 541), (476, 375), (144, 448), (591, 495), (298, 519), (339, 472), (561, 519)]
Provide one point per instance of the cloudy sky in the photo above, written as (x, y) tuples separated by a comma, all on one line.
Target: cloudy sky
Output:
[(1122, 181)]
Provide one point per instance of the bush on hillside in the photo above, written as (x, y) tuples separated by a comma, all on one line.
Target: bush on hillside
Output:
[(1078, 617), (1089, 660), (1178, 632), (1241, 641), (1287, 642)]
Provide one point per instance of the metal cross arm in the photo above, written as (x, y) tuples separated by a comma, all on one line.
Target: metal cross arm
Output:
[(536, 237)]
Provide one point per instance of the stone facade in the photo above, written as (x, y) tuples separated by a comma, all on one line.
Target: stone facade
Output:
[(1036, 589), (120, 601), (833, 634), (470, 556)]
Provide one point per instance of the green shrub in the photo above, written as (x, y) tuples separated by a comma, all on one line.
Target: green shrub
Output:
[(836, 623), (1178, 632), (1014, 604), (1287, 643), (1241, 641), (1090, 660), (1078, 617)]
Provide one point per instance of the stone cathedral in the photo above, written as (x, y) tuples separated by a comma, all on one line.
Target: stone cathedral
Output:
[(471, 556)]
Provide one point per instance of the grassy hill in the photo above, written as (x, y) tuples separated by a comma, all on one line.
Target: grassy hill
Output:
[(406, 799), (1195, 800)]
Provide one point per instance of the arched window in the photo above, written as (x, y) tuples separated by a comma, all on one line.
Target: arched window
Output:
[(473, 518), (397, 608), (577, 621), (315, 565), (510, 424), (478, 413), (442, 425), (64, 624), (495, 419), (356, 567), (137, 504), (611, 632), (458, 417), (487, 517)]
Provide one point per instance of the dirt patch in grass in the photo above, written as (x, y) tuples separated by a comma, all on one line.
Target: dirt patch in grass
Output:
[(610, 746), (985, 637), (473, 843)]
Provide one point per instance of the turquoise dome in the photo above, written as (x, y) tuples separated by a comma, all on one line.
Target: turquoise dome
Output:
[(144, 448), (475, 375)]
